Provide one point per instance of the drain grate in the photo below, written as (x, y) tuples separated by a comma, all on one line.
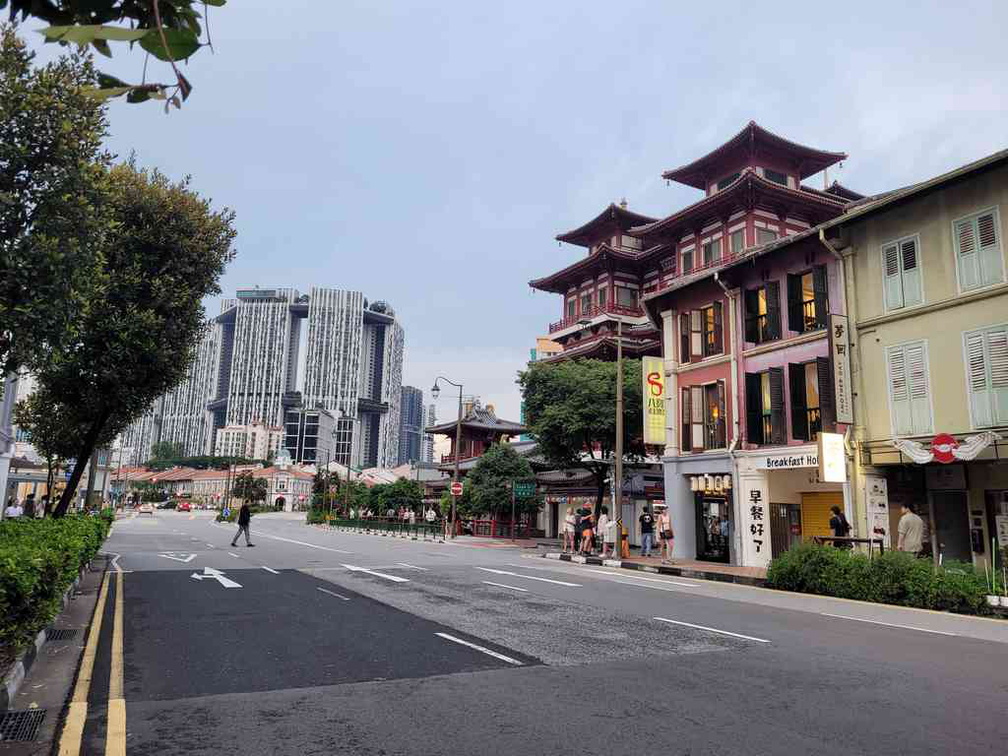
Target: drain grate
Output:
[(21, 726), (62, 633)]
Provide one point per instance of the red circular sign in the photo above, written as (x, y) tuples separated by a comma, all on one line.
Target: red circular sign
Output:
[(301, 497), (942, 446), (456, 488)]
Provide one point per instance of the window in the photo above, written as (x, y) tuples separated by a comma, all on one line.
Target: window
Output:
[(603, 293), (738, 241), (703, 417), (630, 242), (776, 176), (711, 251), (987, 376), (712, 325), (687, 261), (586, 303), (978, 250), (812, 405), (762, 313), (909, 392), (808, 303), (765, 407), (571, 309), (626, 297), (727, 180), (691, 336), (901, 273), (765, 235)]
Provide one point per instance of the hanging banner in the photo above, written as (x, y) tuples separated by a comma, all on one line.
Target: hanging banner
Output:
[(754, 508), (653, 372), (840, 357)]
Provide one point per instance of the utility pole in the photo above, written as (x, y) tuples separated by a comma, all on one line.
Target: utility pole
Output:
[(618, 487), (458, 440)]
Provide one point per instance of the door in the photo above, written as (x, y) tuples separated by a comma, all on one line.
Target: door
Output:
[(952, 525), (712, 529), (816, 514), (554, 520), (785, 527)]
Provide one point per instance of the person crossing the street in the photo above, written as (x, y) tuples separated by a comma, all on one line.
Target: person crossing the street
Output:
[(244, 517)]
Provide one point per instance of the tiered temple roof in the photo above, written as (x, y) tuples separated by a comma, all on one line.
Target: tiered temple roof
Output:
[(613, 218)]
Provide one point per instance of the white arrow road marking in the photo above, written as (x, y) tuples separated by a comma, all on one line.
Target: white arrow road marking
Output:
[(343, 598), (209, 573), (530, 577), (711, 629), (393, 578), (176, 557), (483, 649)]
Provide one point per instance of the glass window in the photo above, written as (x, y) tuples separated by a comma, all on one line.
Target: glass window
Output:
[(586, 303), (776, 176), (765, 235), (603, 293), (738, 241), (687, 261), (571, 309), (726, 181), (711, 251), (626, 297)]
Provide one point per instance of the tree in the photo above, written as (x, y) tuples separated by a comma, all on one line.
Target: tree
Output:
[(170, 30), (48, 432), (51, 220), (570, 411), (249, 488), (166, 450), (138, 329), (491, 481)]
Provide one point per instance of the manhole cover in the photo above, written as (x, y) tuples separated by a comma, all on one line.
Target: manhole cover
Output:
[(21, 726), (62, 633)]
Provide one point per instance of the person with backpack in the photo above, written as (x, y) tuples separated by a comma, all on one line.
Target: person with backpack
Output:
[(244, 518), (839, 527)]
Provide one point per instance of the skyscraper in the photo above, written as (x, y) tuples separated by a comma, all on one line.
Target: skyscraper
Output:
[(428, 438), (411, 417)]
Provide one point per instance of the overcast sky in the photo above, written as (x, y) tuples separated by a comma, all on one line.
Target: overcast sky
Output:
[(428, 153)]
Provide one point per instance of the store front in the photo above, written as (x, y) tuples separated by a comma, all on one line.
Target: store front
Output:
[(712, 499), (699, 495)]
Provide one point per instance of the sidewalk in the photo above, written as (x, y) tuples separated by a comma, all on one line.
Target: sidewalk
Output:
[(725, 573)]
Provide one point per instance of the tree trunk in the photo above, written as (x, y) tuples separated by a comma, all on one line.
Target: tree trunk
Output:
[(87, 446), (600, 481)]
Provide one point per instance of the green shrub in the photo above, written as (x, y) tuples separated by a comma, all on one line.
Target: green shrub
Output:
[(891, 578)]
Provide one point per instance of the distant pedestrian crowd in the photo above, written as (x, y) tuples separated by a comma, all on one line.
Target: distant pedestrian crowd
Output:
[(606, 536)]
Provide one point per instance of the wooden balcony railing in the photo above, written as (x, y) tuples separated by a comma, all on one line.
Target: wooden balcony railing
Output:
[(611, 308)]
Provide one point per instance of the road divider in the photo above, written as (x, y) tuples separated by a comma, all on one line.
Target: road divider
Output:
[(711, 629), (482, 649)]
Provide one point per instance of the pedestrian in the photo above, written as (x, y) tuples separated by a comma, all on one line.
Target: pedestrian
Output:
[(666, 535), (412, 517), (244, 517), (646, 533), (568, 531), (911, 530), (587, 534), (602, 531), (839, 527), (430, 516), (12, 509), (29, 506)]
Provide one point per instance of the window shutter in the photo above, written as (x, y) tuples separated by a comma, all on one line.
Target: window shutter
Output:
[(696, 335), (722, 421), (751, 313), (990, 250), (718, 328), (685, 432), (684, 337), (777, 433), (997, 348), (976, 370), (754, 409), (697, 417), (820, 288), (913, 291), (773, 309), (827, 402), (966, 256), (799, 402), (899, 392), (891, 276), (918, 384), (794, 303)]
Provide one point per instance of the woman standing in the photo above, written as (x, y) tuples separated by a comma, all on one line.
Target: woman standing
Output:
[(667, 535), (568, 531)]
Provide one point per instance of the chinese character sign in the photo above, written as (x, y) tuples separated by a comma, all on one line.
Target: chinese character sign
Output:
[(840, 359), (653, 370), (754, 506)]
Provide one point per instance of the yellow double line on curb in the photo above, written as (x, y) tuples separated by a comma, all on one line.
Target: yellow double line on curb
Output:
[(73, 729)]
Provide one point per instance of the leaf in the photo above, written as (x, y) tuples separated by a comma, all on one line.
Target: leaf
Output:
[(83, 34), (215, 3), (102, 46), (181, 43), (105, 93), (107, 80), (138, 94), (184, 86)]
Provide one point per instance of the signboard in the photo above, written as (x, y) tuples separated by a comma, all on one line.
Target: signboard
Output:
[(832, 459), (1001, 521), (877, 499), (787, 461), (754, 507), (456, 488), (524, 489), (653, 373), (840, 357)]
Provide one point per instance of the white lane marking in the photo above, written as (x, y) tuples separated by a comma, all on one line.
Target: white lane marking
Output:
[(393, 578), (303, 543), (211, 546), (342, 598), (624, 578), (889, 624), (412, 566), (177, 557), (529, 577), (231, 553), (501, 585), (711, 629), (483, 649), (270, 569)]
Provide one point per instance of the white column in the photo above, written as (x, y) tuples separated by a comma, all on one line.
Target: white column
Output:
[(6, 432), (671, 381)]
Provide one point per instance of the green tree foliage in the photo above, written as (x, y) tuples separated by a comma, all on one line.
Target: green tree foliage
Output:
[(166, 450), (403, 493), (570, 411), (168, 30), (249, 488), (492, 478), (200, 462), (137, 332), (51, 172), (50, 434)]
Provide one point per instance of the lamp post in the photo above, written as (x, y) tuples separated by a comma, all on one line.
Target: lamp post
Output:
[(458, 438), (345, 416)]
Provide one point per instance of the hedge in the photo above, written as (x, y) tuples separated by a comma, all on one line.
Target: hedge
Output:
[(39, 560), (894, 577)]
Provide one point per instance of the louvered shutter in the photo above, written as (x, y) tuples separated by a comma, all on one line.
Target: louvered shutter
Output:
[(966, 254), (899, 392), (794, 303), (696, 335), (919, 385), (777, 414), (892, 278), (684, 337), (989, 249), (827, 402), (685, 434), (976, 371), (997, 350), (718, 328), (751, 315), (773, 309), (697, 417), (820, 289), (799, 402), (913, 290), (754, 409), (721, 437)]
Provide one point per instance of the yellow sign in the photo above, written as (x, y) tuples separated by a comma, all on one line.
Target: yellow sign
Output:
[(654, 400)]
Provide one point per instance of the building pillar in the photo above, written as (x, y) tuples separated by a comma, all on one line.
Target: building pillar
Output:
[(671, 369), (682, 510), (7, 400)]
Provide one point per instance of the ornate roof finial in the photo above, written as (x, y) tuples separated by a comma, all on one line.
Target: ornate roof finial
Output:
[(623, 203)]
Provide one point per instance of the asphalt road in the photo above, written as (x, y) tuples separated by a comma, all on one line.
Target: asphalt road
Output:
[(315, 642)]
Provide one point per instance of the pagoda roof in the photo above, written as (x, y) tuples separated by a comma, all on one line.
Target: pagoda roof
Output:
[(836, 189), (479, 418), (742, 192), (700, 171), (614, 215), (602, 254), (605, 347)]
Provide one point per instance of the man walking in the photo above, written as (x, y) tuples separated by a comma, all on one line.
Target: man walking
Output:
[(911, 530), (244, 517), (646, 533)]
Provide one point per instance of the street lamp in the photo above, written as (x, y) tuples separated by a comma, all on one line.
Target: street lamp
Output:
[(345, 416), (435, 391)]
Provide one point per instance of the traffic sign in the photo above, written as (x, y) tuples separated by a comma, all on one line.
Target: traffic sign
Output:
[(524, 489), (456, 488)]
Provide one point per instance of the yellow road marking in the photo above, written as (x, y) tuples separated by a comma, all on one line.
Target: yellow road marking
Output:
[(115, 737), (73, 730)]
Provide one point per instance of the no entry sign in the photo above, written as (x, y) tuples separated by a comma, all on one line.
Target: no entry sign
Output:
[(456, 488)]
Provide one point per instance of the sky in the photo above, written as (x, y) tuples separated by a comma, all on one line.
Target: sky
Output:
[(427, 153)]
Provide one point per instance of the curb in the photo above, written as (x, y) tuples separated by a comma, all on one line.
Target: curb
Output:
[(720, 577), (22, 664)]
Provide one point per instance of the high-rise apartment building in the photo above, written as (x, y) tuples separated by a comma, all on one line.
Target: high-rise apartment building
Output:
[(411, 417), (428, 444)]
